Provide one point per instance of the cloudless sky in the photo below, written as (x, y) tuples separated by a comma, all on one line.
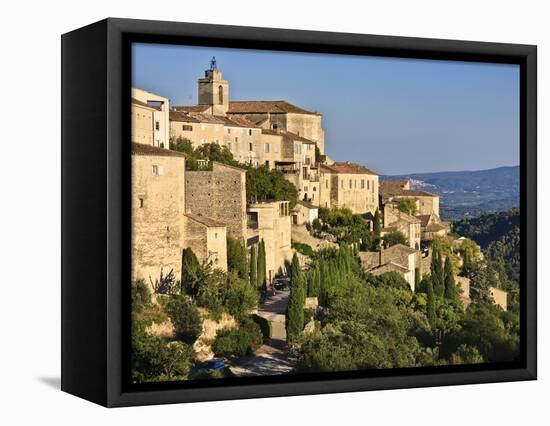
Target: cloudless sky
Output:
[(395, 116)]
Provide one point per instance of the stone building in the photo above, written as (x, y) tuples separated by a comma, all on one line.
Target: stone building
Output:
[(213, 99), (241, 137), (150, 118), (207, 238), (270, 221), (158, 203), (294, 156), (396, 220), (219, 194), (282, 115), (500, 297), (344, 184), (395, 190), (432, 226), (304, 213), (398, 258)]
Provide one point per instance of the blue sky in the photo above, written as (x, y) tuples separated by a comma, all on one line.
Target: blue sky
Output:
[(392, 115)]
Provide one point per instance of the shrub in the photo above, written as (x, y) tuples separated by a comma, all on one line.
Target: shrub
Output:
[(185, 317), (155, 360), (232, 343), (264, 324), (141, 295), (254, 331), (238, 296), (302, 248)]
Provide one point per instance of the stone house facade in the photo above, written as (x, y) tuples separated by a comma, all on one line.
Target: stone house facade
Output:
[(348, 185), (207, 238), (158, 205), (395, 190), (152, 127), (396, 220), (271, 222)]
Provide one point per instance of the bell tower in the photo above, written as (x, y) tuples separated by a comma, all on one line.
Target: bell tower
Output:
[(213, 90)]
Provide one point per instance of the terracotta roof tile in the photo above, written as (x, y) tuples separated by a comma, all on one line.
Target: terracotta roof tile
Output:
[(273, 107), (142, 149), (191, 108), (346, 167)]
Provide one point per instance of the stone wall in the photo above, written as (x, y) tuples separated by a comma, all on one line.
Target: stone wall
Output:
[(219, 194), (207, 240), (358, 192), (158, 200)]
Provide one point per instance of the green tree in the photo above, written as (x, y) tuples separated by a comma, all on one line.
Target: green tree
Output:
[(294, 323), (236, 257), (430, 304), (417, 277), (262, 273), (437, 273), (189, 271), (407, 205), (395, 237), (185, 317), (253, 267), (377, 224), (450, 285)]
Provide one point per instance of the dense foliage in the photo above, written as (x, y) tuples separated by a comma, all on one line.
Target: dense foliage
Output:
[(498, 234), (347, 227)]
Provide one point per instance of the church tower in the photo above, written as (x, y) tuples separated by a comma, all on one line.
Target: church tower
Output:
[(214, 91)]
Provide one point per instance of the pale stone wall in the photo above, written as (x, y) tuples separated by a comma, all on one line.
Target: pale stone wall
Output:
[(426, 204), (274, 227), (303, 214), (201, 133), (208, 242), (158, 200), (142, 124), (160, 118), (500, 297), (358, 192), (244, 143), (219, 194), (309, 126)]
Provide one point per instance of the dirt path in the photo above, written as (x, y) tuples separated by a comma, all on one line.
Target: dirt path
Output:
[(271, 358)]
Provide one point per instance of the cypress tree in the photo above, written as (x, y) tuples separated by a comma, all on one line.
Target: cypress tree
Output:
[(430, 306), (189, 271), (450, 285), (253, 267), (417, 277), (467, 262), (294, 321), (377, 226), (436, 269), (261, 273)]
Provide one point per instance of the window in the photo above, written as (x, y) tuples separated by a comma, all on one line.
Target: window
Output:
[(229, 146), (362, 183), (368, 184), (157, 170), (141, 203), (157, 125), (236, 139), (326, 183), (267, 163), (228, 131), (342, 184), (274, 127), (350, 185), (220, 95), (306, 188), (250, 146), (249, 132), (266, 148)]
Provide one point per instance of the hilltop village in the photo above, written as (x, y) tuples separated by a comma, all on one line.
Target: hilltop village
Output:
[(176, 207)]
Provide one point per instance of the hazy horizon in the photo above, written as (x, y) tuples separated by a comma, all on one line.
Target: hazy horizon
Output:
[(395, 116)]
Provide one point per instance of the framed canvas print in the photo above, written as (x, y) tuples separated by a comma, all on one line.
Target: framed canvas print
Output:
[(254, 212)]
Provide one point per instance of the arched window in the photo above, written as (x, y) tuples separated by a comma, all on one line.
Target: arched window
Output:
[(220, 94)]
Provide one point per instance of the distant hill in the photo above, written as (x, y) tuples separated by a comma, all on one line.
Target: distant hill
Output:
[(498, 235), (470, 193)]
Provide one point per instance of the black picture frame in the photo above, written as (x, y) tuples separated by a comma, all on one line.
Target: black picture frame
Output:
[(96, 209)]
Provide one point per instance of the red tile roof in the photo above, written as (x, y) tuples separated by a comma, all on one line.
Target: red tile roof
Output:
[(346, 167), (273, 107), (191, 108), (142, 149)]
